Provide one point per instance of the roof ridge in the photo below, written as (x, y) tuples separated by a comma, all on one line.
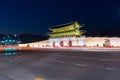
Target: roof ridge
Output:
[(65, 24), (61, 25)]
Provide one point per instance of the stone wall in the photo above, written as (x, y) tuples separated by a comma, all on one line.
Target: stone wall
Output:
[(77, 41)]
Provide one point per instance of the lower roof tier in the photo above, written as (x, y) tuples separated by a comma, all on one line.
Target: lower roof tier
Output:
[(65, 34)]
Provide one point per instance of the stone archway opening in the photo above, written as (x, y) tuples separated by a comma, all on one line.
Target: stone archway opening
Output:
[(53, 44), (70, 43), (61, 43)]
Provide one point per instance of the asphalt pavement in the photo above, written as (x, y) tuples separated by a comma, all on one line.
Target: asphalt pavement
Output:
[(60, 65)]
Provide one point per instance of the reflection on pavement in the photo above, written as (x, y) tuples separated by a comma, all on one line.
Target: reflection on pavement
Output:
[(38, 79), (9, 53)]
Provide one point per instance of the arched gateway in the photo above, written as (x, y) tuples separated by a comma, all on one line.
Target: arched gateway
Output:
[(61, 43), (70, 43), (53, 44)]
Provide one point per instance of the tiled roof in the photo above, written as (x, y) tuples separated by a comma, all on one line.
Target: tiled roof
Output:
[(62, 25)]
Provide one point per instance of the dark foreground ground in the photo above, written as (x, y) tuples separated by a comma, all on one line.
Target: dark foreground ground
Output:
[(60, 65)]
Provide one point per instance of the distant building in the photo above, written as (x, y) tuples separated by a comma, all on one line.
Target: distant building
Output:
[(9, 40)]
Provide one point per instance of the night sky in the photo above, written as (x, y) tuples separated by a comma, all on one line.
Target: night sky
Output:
[(35, 16)]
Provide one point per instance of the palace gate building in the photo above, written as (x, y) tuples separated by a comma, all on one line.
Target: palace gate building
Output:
[(66, 35)]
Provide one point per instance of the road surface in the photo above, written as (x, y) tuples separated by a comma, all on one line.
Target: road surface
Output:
[(60, 65)]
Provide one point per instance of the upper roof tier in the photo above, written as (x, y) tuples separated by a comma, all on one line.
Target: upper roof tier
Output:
[(66, 27)]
